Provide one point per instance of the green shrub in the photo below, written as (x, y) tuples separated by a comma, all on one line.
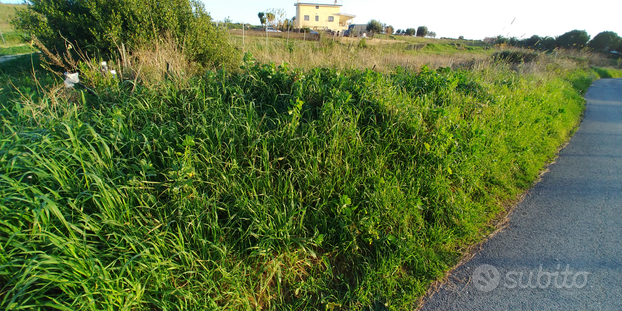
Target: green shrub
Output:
[(103, 25), (515, 57), (362, 43)]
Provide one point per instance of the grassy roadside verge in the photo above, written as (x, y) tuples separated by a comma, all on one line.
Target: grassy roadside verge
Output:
[(16, 50), (267, 188)]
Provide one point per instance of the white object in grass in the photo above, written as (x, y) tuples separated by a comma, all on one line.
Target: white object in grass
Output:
[(71, 79)]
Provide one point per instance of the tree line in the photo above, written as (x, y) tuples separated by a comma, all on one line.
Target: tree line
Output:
[(376, 27), (605, 41)]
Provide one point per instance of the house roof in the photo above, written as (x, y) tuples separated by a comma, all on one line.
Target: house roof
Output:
[(316, 4)]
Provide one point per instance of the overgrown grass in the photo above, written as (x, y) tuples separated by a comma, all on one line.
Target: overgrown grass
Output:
[(266, 188), (12, 38), (608, 72), (349, 53), (7, 11)]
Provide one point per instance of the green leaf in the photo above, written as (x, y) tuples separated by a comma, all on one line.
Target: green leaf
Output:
[(331, 306)]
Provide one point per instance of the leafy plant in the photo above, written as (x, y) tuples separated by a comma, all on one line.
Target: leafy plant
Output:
[(105, 25)]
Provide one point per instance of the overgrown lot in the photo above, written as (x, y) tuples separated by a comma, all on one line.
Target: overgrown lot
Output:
[(265, 188)]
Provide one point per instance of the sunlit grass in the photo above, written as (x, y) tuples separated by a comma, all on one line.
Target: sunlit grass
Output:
[(271, 187)]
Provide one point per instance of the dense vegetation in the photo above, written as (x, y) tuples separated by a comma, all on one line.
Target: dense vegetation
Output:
[(108, 26), (264, 187), (605, 41), (268, 187)]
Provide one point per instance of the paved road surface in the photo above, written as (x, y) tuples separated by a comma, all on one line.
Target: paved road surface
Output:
[(566, 234)]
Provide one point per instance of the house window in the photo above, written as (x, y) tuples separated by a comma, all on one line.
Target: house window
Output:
[(317, 7), (331, 19), (317, 18), (307, 17)]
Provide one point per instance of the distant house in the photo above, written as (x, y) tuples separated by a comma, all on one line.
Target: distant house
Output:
[(322, 16)]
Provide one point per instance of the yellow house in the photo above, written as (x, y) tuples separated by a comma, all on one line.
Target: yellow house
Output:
[(322, 16)]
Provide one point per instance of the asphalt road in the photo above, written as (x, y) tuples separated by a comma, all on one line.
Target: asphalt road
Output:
[(562, 249)]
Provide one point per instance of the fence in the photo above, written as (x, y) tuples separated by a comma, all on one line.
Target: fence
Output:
[(292, 35)]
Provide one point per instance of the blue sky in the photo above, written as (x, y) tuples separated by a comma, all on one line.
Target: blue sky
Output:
[(474, 19)]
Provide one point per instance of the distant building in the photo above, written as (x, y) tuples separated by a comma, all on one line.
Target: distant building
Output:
[(322, 16)]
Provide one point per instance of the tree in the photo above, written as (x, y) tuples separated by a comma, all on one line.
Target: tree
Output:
[(422, 31), (501, 40), (270, 17), (262, 18), (605, 41), (100, 26), (374, 26), (534, 42), (461, 38), (388, 30), (399, 32), (573, 39), (432, 34), (291, 23), (279, 17), (411, 31), (548, 43)]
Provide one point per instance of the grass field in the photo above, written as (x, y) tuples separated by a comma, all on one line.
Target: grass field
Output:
[(380, 54), (13, 43), (7, 11), (269, 187), (316, 175)]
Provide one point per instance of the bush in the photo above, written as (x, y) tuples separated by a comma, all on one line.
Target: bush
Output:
[(103, 25), (515, 57), (362, 43)]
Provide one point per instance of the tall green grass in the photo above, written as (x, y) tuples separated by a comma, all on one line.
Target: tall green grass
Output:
[(267, 188)]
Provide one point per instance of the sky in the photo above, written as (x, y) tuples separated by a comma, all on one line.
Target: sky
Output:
[(474, 19)]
